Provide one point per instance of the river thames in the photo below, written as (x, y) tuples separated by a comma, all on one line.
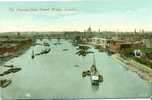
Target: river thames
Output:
[(58, 74)]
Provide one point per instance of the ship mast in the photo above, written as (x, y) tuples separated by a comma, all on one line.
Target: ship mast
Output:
[(94, 60)]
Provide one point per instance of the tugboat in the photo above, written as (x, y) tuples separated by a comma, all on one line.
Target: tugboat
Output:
[(95, 77)]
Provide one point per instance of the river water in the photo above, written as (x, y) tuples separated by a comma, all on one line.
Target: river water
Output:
[(58, 75)]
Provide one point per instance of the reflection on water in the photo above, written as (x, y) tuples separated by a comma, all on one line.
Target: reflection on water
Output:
[(95, 87), (58, 74)]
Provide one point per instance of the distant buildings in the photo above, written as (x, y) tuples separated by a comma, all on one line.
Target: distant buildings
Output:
[(114, 46), (89, 30), (86, 34), (147, 43), (114, 40), (18, 33)]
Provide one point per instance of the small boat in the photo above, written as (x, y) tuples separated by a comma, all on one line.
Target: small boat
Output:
[(43, 52), (75, 44), (86, 73), (9, 71), (9, 66), (33, 56), (46, 51), (64, 49), (14, 70), (76, 65), (46, 44), (37, 44), (4, 83), (6, 72), (57, 43), (2, 74)]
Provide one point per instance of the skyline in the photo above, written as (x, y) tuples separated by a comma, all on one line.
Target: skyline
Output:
[(73, 15)]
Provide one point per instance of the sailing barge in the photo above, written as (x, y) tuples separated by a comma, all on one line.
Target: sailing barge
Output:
[(94, 75)]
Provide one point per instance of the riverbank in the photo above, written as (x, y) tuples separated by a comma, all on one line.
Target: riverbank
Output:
[(13, 48), (143, 71), (10, 48)]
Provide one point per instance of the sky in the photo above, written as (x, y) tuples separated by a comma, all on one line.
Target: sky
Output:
[(76, 15)]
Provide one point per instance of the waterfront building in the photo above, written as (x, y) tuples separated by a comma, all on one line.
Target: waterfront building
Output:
[(114, 46), (98, 41), (147, 43)]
